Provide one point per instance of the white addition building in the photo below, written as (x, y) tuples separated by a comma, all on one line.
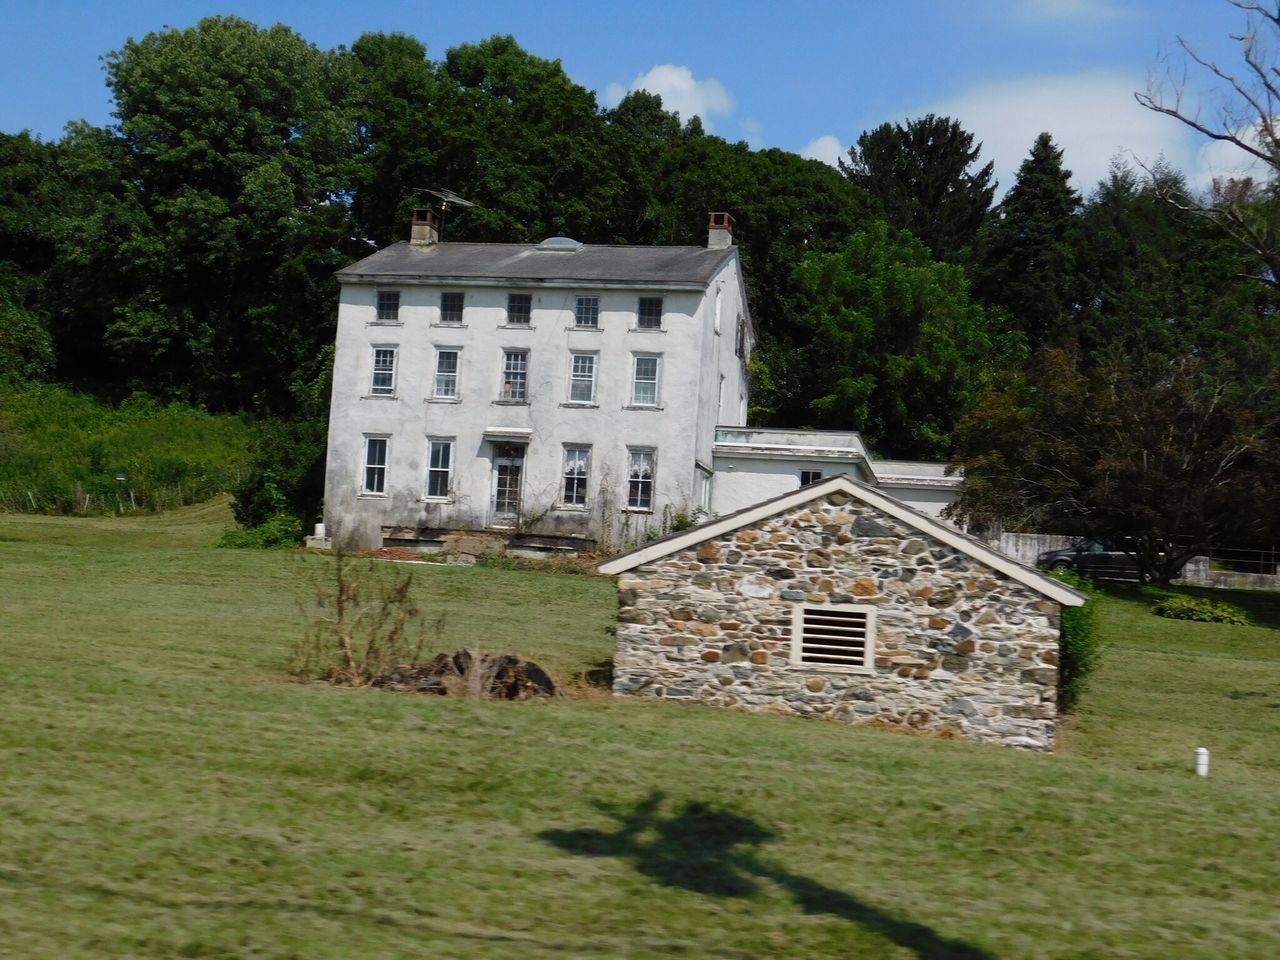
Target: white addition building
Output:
[(558, 395)]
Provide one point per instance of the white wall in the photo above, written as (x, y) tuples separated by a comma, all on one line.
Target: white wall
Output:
[(412, 415)]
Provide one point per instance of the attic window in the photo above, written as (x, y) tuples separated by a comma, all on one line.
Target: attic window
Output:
[(834, 637), (560, 244)]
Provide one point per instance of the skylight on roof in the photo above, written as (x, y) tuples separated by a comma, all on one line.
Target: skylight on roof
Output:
[(560, 244)]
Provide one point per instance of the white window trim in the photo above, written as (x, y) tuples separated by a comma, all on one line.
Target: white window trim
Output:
[(457, 376), (868, 665), (574, 325), (653, 481), (634, 404), (390, 393), (564, 474), (365, 465), (502, 376), (426, 490), (595, 376)]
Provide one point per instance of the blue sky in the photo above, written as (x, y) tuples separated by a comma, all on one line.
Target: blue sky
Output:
[(807, 77)]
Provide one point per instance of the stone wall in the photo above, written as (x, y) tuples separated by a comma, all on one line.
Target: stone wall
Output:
[(961, 650)]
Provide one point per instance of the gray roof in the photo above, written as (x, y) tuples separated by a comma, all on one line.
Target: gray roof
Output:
[(526, 264)]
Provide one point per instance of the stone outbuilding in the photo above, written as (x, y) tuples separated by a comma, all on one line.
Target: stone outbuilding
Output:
[(838, 601)]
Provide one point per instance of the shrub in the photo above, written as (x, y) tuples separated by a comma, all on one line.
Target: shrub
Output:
[(280, 530), (1200, 609), (362, 623), (1081, 646)]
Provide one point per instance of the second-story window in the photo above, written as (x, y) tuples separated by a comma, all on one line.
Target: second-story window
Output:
[(586, 312), (388, 306), (644, 381), (383, 383), (649, 315), (519, 309), (582, 378), (446, 381), (451, 307), (809, 476), (515, 376)]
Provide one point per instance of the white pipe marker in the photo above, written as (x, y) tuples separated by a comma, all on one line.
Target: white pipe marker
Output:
[(1202, 761)]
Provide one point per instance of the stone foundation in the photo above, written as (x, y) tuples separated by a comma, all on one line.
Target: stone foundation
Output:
[(960, 649)]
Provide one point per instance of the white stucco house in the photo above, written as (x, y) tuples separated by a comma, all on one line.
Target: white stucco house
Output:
[(557, 395)]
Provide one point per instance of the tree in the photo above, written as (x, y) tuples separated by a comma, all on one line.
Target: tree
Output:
[(1178, 456), (897, 348), (1247, 116), (924, 179), (1027, 263), (232, 219)]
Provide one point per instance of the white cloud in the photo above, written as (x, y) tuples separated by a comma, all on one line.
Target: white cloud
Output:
[(679, 92), (1218, 160), (825, 148), (1091, 115), (752, 132)]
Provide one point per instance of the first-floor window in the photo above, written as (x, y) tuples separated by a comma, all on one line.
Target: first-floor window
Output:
[(809, 476), (577, 468), (384, 372), (582, 378), (640, 467), (515, 375), (834, 636), (446, 382), (439, 467), (644, 381), (375, 465)]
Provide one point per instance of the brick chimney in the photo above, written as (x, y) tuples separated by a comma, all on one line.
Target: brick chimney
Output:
[(719, 231), (424, 229)]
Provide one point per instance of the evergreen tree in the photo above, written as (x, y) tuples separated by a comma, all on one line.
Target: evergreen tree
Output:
[(923, 177), (1027, 264)]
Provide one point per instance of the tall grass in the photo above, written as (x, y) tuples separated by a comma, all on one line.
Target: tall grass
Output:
[(61, 452)]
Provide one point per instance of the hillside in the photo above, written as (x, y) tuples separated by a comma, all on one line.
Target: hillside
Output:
[(167, 792)]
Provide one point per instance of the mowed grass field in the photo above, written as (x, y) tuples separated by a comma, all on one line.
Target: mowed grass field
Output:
[(168, 792)]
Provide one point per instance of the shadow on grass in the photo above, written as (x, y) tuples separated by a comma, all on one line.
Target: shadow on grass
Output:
[(712, 851)]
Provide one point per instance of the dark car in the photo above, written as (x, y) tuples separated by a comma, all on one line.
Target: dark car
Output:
[(1101, 560)]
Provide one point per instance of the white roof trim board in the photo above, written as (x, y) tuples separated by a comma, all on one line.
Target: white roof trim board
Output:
[(976, 549)]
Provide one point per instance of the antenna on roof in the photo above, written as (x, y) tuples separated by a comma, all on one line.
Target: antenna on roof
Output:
[(426, 217)]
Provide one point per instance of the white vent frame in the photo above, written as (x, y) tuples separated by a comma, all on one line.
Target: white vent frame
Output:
[(798, 645)]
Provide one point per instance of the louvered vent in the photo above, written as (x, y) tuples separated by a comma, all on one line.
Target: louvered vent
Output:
[(834, 636)]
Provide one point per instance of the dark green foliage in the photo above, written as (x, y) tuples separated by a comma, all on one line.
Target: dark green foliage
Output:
[(923, 179), (60, 453), (897, 348), (286, 474), (1080, 646), (1201, 610), (280, 531), (1027, 262)]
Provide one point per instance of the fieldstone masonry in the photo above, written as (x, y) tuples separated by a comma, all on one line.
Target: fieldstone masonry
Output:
[(960, 649)]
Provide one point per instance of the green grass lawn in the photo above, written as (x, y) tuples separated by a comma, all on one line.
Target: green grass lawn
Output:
[(168, 793)]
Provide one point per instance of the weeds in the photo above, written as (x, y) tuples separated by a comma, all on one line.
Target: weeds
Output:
[(363, 623)]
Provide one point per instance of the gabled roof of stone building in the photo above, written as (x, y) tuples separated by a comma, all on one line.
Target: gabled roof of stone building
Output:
[(909, 516), (532, 264)]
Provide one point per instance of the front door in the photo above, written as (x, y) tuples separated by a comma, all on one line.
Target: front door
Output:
[(508, 471)]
